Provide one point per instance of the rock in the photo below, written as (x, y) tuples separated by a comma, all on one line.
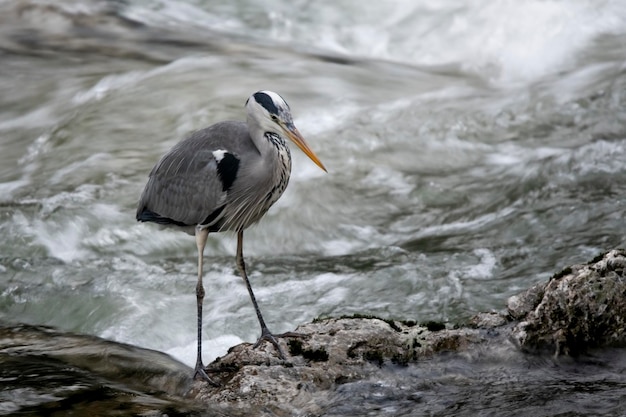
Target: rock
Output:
[(488, 320), (520, 305), (330, 352), (47, 372), (581, 307)]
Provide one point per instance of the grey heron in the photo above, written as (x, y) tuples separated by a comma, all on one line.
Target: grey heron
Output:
[(224, 178)]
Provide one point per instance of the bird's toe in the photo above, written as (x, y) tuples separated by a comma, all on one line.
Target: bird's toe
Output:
[(200, 374), (266, 336)]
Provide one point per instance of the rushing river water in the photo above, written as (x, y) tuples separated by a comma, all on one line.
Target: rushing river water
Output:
[(473, 148)]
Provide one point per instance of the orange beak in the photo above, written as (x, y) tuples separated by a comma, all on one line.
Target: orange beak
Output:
[(295, 136)]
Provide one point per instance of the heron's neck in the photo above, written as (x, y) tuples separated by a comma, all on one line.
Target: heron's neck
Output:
[(275, 140), (279, 151)]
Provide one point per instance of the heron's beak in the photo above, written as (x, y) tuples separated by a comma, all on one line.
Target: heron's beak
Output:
[(297, 138)]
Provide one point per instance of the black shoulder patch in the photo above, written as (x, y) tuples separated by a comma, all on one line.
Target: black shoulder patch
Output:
[(227, 169), (266, 101)]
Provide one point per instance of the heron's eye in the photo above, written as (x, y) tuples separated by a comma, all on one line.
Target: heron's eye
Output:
[(274, 117)]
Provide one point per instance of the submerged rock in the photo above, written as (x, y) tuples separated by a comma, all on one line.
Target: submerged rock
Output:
[(47, 372), (581, 307)]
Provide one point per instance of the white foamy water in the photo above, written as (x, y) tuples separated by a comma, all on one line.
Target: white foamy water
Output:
[(473, 149), (506, 41)]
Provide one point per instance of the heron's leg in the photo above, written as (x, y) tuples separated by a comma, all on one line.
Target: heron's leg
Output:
[(201, 238), (265, 333)]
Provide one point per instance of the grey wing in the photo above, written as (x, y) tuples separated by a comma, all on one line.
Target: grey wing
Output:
[(188, 186)]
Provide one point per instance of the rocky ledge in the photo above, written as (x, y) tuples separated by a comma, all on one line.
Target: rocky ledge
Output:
[(329, 352), (500, 361), (580, 308)]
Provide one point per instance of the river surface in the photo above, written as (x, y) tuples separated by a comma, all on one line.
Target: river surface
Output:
[(474, 148)]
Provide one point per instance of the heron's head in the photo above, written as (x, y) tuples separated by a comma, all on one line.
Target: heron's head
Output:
[(270, 112)]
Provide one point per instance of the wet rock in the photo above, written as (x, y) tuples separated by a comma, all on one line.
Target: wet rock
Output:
[(520, 305), (488, 320), (329, 353), (581, 307), (47, 372)]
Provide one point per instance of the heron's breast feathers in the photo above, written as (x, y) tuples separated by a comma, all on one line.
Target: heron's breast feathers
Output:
[(258, 187)]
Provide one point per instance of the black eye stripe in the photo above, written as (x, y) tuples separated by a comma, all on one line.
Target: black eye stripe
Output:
[(266, 101)]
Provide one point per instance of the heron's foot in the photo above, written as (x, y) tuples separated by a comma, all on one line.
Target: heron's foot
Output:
[(267, 336), (200, 374)]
